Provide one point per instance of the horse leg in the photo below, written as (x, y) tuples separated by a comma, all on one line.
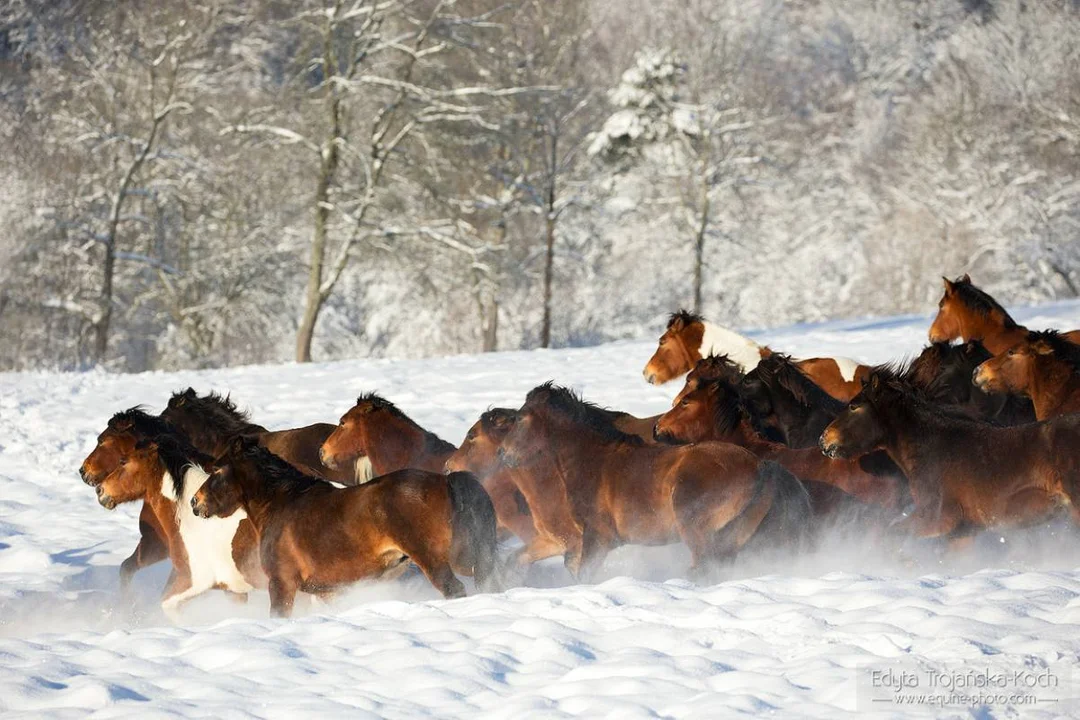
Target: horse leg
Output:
[(282, 596), (542, 546), (438, 571), (926, 523), (716, 521), (595, 546), (150, 550), (178, 592)]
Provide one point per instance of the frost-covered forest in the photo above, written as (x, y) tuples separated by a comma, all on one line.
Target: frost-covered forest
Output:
[(214, 182)]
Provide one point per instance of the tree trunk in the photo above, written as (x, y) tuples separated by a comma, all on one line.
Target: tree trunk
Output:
[(699, 243), (549, 257), (491, 326)]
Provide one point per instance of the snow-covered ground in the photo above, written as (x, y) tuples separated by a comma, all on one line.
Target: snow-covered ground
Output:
[(797, 638)]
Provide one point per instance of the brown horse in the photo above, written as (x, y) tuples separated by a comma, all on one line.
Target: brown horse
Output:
[(1044, 367), (165, 473), (713, 496), (116, 441), (315, 538), (709, 368), (964, 475), (478, 454), (715, 412), (375, 428), (688, 338), (211, 420), (967, 312)]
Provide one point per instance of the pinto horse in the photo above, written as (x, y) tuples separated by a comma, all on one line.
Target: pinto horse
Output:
[(479, 454), (967, 312), (117, 441), (165, 473), (688, 338), (211, 420), (375, 428), (715, 497), (716, 412), (964, 475), (1044, 367), (315, 538)]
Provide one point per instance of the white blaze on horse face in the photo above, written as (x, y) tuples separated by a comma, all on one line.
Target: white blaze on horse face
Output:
[(364, 471), (741, 350), (847, 368), (207, 541)]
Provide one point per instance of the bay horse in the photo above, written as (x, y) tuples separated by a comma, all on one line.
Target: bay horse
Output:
[(964, 475), (715, 497), (688, 338), (164, 473), (124, 430), (375, 428), (479, 454), (315, 537), (1044, 367), (211, 420), (709, 368), (788, 403), (969, 313), (716, 412)]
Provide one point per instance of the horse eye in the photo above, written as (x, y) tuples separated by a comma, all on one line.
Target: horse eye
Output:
[(685, 401)]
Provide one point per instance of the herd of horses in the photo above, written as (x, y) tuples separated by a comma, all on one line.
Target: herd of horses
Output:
[(758, 450)]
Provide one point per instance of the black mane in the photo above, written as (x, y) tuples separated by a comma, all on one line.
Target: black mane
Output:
[(980, 301), (687, 318), (176, 454), (730, 409), (140, 423), (215, 410), (432, 442), (569, 404), (916, 397), (719, 366), (277, 476), (1061, 348), (781, 370)]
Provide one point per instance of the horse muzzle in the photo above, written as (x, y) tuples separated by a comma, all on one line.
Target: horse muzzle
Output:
[(105, 500), (86, 476), (650, 377), (199, 509), (327, 459)]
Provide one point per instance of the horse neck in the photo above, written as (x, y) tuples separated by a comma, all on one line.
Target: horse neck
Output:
[(1054, 385), (913, 437), (259, 501), (717, 340), (397, 444), (991, 330)]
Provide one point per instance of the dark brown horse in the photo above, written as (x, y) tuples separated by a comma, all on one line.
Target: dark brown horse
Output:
[(709, 368), (118, 439), (787, 403), (714, 496), (375, 428), (688, 338), (1044, 367), (715, 412), (165, 473), (316, 538), (964, 475), (479, 454), (211, 420), (967, 312)]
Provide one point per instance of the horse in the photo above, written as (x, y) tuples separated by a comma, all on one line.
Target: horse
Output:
[(688, 338), (165, 473), (478, 454), (315, 538), (964, 475), (716, 412), (375, 428), (1044, 367), (715, 497), (124, 430), (211, 420), (969, 313), (786, 402), (708, 368)]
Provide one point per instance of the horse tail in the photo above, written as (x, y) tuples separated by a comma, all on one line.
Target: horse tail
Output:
[(790, 517), (473, 546)]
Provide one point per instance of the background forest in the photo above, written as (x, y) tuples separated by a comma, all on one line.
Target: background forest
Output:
[(202, 183)]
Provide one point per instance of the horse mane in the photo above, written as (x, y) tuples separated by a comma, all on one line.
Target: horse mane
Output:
[(278, 477), (687, 318), (570, 405), (730, 409), (891, 378), (140, 423), (1060, 347), (980, 301), (432, 442), (718, 365), (782, 370), (177, 455), (218, 411)]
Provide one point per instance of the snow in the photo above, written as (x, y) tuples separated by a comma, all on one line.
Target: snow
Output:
[(791, 638)]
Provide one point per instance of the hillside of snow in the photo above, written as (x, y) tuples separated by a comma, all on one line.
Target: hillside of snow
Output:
[(790, 638)]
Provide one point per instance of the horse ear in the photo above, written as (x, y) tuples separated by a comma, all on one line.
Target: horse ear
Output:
[(1043, 348), (238, 444), (875, 382), (948, 285), (965, 278)]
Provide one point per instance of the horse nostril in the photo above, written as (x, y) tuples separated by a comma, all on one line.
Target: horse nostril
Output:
[(650, 378)]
